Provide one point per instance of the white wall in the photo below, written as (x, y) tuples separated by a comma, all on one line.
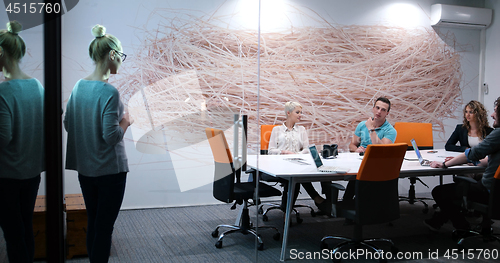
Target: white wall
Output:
[(492, 76)]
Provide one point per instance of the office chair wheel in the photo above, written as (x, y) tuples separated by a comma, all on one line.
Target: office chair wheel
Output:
[(313, 213), (260, 210), (299, 220), (215, 233), (265, 218), (435, 206), (218, 244), (260, 246), (277, 236)]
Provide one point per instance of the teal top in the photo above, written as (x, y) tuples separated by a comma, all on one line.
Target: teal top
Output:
[(95, 144), (21, 129), (384, 131)]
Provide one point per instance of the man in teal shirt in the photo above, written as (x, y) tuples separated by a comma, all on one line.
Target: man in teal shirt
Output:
[(375, 130)]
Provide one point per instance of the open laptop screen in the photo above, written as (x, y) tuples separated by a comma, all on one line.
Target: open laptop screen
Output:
[(315, 155), (417, 152)]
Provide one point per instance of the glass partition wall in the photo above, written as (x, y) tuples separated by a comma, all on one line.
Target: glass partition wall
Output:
[(191, 65)]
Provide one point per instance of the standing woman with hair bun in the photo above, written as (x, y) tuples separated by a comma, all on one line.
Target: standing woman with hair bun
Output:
[(96, 123), (21, 146)]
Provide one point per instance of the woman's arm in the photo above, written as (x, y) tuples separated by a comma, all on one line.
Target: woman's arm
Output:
[(304, 140), (273, 142), (451, 144), (112, 127), (5, 125)]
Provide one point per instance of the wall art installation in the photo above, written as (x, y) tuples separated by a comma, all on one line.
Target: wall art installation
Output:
[(194, 72)]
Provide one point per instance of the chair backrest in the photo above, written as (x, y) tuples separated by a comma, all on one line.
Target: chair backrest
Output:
[(377, 198), (495, 197), (224, 174), (265, 136), (421, 132)]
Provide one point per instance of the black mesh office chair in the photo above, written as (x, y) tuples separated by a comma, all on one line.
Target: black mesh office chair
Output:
[(377, 199), (227, 188), (489, 211)]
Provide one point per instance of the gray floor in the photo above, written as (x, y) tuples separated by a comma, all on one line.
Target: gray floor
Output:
[(183, 235)]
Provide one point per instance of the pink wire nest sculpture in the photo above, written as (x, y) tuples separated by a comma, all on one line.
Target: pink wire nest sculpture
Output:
[(335, 72)]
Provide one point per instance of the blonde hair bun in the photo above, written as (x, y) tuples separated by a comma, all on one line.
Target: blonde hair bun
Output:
[(14, 27), (98, 31)]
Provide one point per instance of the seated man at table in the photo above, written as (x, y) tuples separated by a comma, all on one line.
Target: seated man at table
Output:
[(485, 153), (375, 130)]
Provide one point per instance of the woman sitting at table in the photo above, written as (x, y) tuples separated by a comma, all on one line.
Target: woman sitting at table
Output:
[(473, 130), (291, 138), (470, 134)]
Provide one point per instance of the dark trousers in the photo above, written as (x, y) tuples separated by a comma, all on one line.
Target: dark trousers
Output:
[(350, 191), (311, 191), (103, 197), (17, 202), (449, 197)]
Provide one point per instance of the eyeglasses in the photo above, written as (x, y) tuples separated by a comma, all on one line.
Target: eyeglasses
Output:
[(122, 55)]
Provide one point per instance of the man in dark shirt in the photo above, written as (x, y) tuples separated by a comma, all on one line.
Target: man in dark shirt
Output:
[(445, 195)]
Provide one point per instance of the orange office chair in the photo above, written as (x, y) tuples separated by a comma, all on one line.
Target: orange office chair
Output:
[(422, 133), (227, 187), (489, 211), (376, 199), (265, 136)]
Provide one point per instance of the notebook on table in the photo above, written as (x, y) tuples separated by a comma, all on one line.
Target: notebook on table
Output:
[(423, 162), (319, 163)]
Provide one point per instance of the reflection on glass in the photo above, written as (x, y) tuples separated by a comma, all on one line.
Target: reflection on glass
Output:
[(21, 146)]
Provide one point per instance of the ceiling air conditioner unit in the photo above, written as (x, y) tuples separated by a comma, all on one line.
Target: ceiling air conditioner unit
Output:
[(460, 16)]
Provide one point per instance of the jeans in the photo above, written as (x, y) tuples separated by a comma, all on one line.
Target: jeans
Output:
[(103, 196), (448, 197), (17, 202)]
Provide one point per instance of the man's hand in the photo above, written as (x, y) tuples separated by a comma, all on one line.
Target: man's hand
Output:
[(360, 149), (370, 123), (436, 164)]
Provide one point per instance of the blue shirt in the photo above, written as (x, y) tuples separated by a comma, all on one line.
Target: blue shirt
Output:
[(21, 129), (95, 144), (384, 131)]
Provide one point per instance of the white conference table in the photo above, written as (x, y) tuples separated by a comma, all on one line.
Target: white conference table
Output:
[(305, 171)]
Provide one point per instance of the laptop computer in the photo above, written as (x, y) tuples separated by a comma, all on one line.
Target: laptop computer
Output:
[(319, 163), (423, 162)]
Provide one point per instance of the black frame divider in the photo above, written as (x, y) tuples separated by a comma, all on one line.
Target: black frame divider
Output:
[(53, 136)]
